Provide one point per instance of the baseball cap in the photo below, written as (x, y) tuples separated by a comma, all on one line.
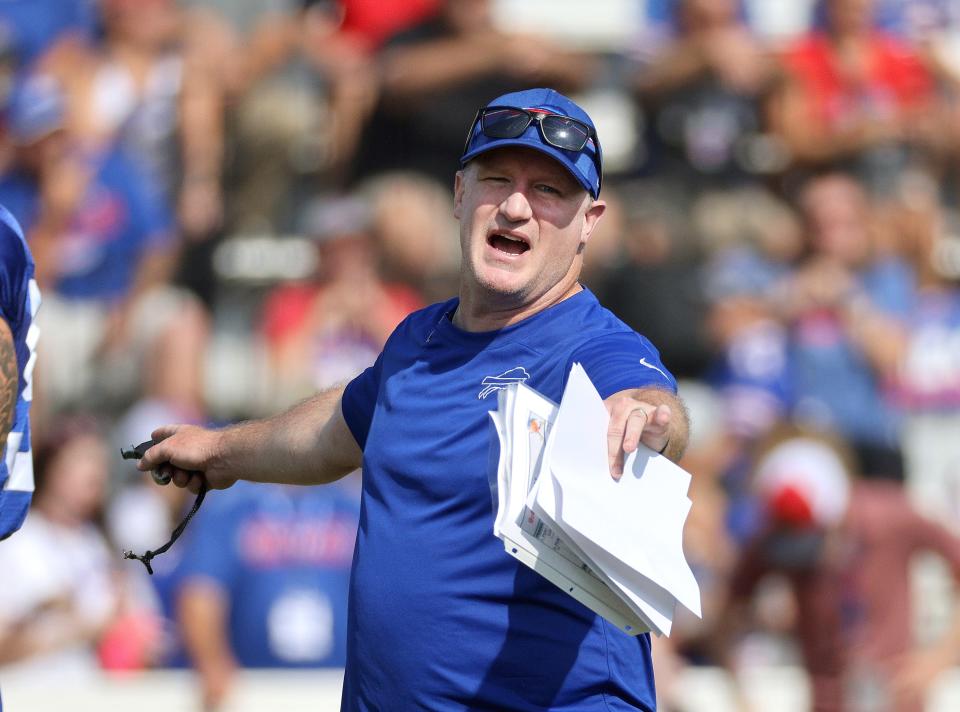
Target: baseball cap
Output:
[(329, 217), (585, 165), (35, 109), (803, 483)]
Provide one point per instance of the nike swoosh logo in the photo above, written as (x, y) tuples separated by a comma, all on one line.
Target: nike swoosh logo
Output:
[(643, 362)]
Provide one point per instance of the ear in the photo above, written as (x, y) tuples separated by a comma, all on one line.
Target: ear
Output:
[(458, 195), (590, 219)]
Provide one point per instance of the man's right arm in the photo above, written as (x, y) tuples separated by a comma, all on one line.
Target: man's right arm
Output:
[(308, 444)]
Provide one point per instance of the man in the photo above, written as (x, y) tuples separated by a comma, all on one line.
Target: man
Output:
[(845, 546), (440, 617), (19, 300)]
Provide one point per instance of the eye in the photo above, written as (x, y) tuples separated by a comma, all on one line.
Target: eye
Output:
[(548, 189)]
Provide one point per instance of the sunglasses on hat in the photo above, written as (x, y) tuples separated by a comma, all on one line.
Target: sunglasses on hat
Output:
[(557, 130)]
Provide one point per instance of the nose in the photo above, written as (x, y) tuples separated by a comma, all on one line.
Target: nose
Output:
[(516, 208)]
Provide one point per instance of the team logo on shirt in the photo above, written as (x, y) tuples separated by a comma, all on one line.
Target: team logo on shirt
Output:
[(498, 383)]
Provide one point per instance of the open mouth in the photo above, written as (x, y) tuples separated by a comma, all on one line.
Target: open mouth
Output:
[(506, 243)]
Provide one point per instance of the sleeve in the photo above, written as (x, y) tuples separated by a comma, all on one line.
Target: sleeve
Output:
[(619, 361), (14, 269), (360, 400)]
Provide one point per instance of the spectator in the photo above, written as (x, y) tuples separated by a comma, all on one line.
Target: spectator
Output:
[(701, 94), (846, 304), (373, 22), (297, 58), (148, 87), (854, 96), (326, 332), (436, 72), (104, 247), (263, 581), (927, 381), (845, 545), (65, 593)]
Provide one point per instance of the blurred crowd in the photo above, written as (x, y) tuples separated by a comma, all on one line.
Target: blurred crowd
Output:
[(232, 203)]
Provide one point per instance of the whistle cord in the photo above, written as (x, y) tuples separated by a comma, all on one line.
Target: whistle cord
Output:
[(148, 556)]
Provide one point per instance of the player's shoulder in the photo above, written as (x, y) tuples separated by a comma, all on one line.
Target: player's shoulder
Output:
[(14, 253), (595, 322)]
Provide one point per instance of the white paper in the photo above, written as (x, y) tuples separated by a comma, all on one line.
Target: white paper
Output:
[(524, 419), (614, 546), (637, 519)]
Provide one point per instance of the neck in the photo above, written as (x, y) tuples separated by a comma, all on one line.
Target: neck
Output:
[(488, 313)]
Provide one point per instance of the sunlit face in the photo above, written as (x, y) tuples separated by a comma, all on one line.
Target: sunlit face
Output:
[(838, 216), (524, 222)]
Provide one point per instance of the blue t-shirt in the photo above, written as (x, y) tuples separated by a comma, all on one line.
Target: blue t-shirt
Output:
[(836, 386), (440, 617), (282, 556), (120, 219), (34, 26), (19, 300)]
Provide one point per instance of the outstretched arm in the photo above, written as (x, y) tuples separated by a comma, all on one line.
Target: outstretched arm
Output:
[(308, 444), (652, 416)]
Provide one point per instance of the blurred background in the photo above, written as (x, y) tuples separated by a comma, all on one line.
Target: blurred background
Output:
[(232, 203)]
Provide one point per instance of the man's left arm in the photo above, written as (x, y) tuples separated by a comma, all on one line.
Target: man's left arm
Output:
[(9, 382), (650, 415)]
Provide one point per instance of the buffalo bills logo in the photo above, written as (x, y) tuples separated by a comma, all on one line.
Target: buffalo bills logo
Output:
[(497, 383)]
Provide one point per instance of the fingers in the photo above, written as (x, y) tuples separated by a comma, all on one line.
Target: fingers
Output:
[(633, 422), (657, 431), (164, 432), (189, 480), (157, 454)]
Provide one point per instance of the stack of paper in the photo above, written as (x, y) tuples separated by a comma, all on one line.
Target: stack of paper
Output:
[(614, 545)]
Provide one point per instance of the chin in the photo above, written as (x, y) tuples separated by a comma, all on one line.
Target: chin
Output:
[(505, 284)]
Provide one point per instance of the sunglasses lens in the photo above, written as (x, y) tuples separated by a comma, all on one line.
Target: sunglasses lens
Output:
[(505, 123), (565, 133)]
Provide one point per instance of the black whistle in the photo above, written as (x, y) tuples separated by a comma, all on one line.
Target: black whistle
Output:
[(136, 452)]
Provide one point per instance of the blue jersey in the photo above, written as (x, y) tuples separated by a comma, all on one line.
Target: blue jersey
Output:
[(119, 221), (34, 26), (19, 299), (281, 555), (440, 617)]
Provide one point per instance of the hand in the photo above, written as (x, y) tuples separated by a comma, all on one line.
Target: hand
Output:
[(189, 455), (634, 421), (823, 283)]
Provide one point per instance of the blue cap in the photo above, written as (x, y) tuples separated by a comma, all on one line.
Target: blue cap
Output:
[(585, 165)]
